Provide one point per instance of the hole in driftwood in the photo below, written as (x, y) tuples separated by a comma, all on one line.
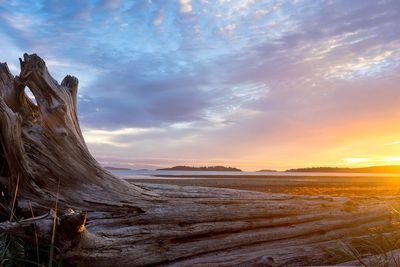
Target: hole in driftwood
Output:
[(30, 95)]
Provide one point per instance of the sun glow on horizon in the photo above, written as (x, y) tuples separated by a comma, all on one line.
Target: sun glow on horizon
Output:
[(391, 159)]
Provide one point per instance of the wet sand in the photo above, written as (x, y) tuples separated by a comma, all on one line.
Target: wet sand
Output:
[(297, 185)]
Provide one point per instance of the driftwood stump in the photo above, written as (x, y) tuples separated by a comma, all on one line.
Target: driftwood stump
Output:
[(106, 221)]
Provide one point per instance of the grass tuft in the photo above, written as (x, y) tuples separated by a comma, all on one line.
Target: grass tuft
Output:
[(14, 252)]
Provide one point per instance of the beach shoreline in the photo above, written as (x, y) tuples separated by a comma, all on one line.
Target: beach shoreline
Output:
[(351, 186)]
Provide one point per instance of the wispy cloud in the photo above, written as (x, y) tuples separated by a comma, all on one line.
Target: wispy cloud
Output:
[(158, 18), (185, 6)]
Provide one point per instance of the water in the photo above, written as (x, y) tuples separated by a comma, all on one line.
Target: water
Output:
[(185, 174)]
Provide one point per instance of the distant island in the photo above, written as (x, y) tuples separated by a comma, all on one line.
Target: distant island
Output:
[(372, 169), (267, 170), (116, 168), (210, 168)]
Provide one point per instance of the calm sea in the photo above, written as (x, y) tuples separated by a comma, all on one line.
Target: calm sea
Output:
[(198, 174)]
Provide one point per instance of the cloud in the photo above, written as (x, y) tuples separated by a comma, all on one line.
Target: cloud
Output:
[(110, 4), (96, 136), (137, 101), (228, 29), (185, 6), (158, 18), (261, 13)]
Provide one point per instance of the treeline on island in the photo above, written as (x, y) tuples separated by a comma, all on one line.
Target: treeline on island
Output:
[(395, 169), (372, 169), (205, 168)]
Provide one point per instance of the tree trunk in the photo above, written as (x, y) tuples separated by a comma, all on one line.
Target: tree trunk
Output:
[(106, 221)]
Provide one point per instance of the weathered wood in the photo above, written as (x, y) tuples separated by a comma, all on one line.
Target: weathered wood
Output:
[(388, 258), (43, 151)]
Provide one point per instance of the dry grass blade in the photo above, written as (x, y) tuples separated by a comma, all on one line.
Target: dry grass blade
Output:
[(53, 235), (36, 235), (14, 200)]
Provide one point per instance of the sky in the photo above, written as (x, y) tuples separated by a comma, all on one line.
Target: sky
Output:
[(244, 83)]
